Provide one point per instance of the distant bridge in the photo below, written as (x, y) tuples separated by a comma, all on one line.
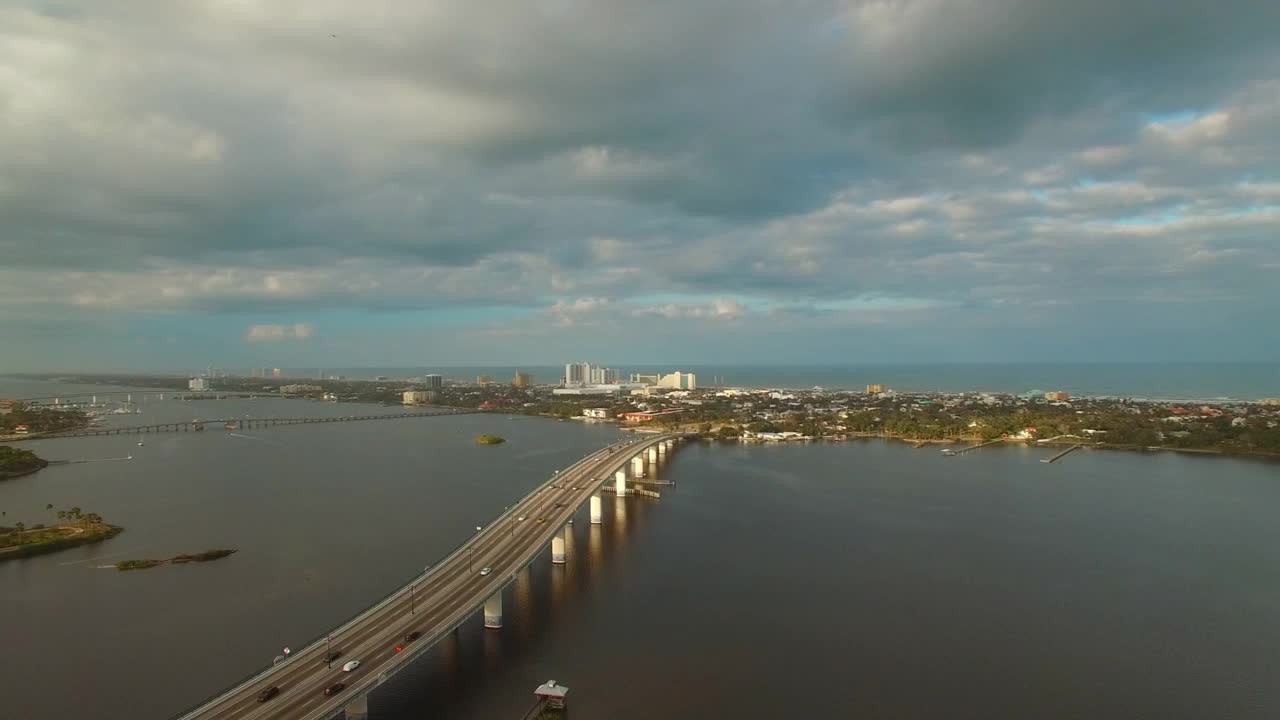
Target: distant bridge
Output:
[(245, 423)]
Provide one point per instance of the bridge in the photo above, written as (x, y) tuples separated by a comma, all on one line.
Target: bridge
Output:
[(438, 601), (244, 423)]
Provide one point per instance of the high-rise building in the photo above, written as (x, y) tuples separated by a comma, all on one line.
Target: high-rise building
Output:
[(522, 379), (484, 379), (577, 374), (275, 372), (679, 381), (433, 381), (874, 388), (417, 397), (645, 379)]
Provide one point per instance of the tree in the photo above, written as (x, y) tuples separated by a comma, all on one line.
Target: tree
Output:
[(727, 432)]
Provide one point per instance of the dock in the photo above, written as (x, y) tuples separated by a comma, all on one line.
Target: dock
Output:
[(1060, 455), (975, 447)]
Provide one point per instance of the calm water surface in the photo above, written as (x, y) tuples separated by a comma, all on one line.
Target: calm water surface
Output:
[(856, 580)]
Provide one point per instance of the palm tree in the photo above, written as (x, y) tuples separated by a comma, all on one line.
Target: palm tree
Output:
[(49, 506), (62, 514)]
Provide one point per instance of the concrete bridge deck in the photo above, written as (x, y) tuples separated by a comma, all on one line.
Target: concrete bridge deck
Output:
[(436, 602)]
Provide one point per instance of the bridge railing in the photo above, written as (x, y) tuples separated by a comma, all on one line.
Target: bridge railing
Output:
[(386, 599)]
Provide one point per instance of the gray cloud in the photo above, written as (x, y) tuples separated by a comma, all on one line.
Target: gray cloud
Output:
[(819, 165)]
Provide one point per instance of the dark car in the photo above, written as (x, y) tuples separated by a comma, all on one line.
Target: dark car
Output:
[(559, 505), (412, 636), (331, 656), (269, 693), (334, 689)]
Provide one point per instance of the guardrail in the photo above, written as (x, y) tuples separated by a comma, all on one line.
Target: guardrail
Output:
[(399, 592)]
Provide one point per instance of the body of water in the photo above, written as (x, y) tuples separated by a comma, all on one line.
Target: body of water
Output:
[(867, 579)]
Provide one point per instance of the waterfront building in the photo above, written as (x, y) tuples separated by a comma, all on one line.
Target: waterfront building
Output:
[(417, 397), (576, 374), (522, 379), (433, 381), (484, 379), (588, 390), (197, 384), (598, 413), (1057, 395), (299, 389), (275, 372), (643, 379), (875, 388), (1271, 401)]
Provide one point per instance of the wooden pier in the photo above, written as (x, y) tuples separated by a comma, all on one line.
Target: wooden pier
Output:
[(975, 447), (1060, 455)]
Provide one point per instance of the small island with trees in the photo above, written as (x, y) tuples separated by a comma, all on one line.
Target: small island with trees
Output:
[(15, 462), (489, 440), (76, 527), (206, 556)]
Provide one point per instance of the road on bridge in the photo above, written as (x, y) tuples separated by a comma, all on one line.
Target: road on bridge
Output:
[(439, 601)]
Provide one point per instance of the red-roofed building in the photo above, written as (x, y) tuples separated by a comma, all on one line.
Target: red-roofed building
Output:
[(644, 417)]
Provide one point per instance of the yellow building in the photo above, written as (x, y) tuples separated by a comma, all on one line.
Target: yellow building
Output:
[(1057, 395), (523, 380), (875, 388)]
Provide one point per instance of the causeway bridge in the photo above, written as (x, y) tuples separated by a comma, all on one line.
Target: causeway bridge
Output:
[(437, 602), (245, 423)]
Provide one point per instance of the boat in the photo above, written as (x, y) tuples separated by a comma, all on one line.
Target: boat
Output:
[(139, 443), (229, 425)]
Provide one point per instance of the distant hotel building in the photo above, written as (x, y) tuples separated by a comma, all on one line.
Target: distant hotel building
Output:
[(579, 374), (484, 379), (522, 379), (417, 397), (1057, 395), (197, 384), (275, 372), (875, 388), (433, 381), (679, 381)]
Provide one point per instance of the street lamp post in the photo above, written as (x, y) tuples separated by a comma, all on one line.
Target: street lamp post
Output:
[(328, 656)]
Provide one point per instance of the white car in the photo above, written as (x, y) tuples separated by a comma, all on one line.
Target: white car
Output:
[(486, 571), (520, 519), (351, 665)]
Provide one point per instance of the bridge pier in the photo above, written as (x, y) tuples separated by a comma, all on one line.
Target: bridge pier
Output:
[(557, 546), (620, 482), (597, 508), (357, 709), (637, 466), (653, 455), (493, 611)]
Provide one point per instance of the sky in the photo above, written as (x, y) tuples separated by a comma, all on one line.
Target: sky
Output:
[(327, 183)]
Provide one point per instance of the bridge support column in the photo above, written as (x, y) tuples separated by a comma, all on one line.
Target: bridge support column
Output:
[(662, 448), (493, 609), (653, 454), (637, 466), (357, 709), (557, 546), (597, 508), (620, 482)]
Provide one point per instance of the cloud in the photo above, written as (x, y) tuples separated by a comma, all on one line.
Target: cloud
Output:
[(589, 163), (277, 333)]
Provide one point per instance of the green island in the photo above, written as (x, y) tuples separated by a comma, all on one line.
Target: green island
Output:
[(489, 440), (77, 528), (15, 462), (205, 556)]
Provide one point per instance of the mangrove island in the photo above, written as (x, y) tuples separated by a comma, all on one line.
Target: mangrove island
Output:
[(21, 541), (489, 440), (15, 462)]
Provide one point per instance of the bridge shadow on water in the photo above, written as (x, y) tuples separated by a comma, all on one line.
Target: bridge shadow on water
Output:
[(472, 662)]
